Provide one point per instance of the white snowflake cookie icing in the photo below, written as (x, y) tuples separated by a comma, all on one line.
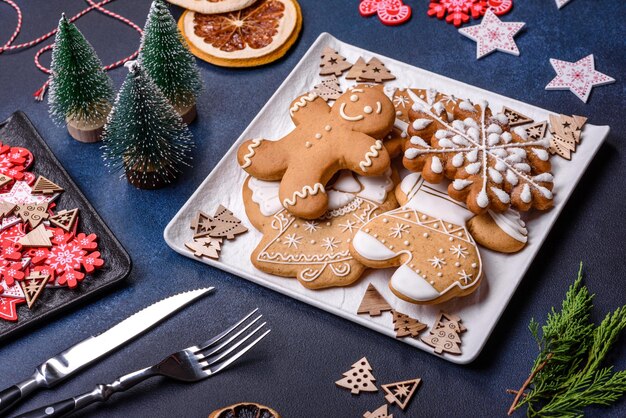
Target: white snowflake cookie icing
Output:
[(316, 252), (491, 166), (324, 141)]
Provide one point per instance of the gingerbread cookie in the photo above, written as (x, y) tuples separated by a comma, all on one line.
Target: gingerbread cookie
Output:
[(492, 166), (325, 140), (429, 239), (316, 252)]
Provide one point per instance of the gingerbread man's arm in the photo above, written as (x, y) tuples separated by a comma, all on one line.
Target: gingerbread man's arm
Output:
[(366, 156), (306, 107), (263, 159)]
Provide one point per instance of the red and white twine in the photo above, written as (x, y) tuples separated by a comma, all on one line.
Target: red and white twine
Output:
[(8, 46)]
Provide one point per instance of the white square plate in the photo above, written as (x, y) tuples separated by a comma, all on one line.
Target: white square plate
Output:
[(480, 311)]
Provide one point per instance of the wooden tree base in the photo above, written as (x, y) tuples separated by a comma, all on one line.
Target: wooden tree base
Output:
[(145, 180), (87, 133), (188, 113)]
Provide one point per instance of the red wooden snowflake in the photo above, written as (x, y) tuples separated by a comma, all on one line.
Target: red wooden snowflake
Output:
[(458, 12), (65, 257), (12, 272), (71, 278), (92, 262)]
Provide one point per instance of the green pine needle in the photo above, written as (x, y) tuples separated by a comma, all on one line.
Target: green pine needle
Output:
[(568, 374)]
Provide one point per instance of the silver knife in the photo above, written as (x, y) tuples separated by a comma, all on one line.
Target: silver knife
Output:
[(79, 356)]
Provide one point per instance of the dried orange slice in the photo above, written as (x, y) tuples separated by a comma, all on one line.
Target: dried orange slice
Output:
[(245, 410), (213, 6), (256, 35)]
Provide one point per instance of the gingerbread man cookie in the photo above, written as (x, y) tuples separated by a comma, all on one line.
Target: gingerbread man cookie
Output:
[(492, 167), (316, 252), (325, 140), (428, 238)]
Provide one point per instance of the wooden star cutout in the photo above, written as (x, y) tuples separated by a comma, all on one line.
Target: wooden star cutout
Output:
[(492, 34), (578, 77)]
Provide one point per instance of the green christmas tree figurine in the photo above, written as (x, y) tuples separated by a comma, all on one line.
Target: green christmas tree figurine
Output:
[(144, 135), (80, 90), (167, 60)]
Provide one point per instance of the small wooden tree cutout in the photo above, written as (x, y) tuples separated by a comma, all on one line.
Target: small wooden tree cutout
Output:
[(359, 378), (65, 219), (33, 285), (515, 117), (373, 303), (45, 186), (205, 247), (445, 334), (401, 393), (202, 224), (38, 237), (376, 71), (357, 69), (537, 131), (225, 224), (32, 213), (381, 412), (405, 326), (4, 179), (6, 208), (566, 132), (333, 63), (328, 89)]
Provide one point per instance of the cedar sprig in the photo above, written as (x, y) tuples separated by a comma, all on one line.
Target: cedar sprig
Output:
[(568, 374)]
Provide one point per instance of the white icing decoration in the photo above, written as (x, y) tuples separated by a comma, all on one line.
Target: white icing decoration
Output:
[(521, 132), (346, 183), (304, 193), (495, 176), (457, 160), (467, 106), (372, 153), (302, 102), (247, 158), (511, 224), (354, 98), (460, 184), (419, 124), (368, 109), (376, 188), (482, 199), (542, 154), (409, 283), (342, 113), (370, 248), (544, 177), (379, 108), (526, 196), (265, 194), (416, 140), (435, 165), (501, 195)]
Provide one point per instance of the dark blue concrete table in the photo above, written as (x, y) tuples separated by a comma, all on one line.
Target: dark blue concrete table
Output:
[(295, 368)]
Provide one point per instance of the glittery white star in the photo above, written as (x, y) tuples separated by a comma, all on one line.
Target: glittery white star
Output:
[(437, 262), (292, 240), (330, 243), (578, 77), (459, 251), (398, 230), (348, 226), (311, 226), (492, 34), (464, 277), (401, 101)]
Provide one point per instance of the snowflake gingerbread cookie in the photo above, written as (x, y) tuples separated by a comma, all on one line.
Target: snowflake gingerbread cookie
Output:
[(316, 252), (433, 241), (492, 167), (325, 140)]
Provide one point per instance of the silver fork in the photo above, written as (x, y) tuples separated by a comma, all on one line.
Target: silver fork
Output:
[(191, 364)]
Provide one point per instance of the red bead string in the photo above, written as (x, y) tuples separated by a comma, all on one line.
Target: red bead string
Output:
[(8, 46)]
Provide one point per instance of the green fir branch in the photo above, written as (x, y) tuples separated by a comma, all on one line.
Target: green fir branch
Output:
[(568, 374)]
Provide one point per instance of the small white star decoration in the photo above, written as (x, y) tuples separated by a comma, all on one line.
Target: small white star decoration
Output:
[(578, 77), (561, 3), (493, 34)]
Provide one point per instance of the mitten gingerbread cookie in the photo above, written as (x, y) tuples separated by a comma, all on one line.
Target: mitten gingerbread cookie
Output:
[(316, 252), (492, 167), (429, 240), (324, 141)]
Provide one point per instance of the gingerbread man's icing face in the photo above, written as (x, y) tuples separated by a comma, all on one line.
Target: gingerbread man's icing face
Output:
[(324, 141), (365, 110)]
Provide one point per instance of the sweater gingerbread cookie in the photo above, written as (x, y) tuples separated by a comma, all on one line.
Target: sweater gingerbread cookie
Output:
[(325, 140)]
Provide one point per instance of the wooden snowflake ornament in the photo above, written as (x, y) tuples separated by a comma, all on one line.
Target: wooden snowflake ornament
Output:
[(578, 77), (359, 378), (373, 302), (492, 34), (401, 393)]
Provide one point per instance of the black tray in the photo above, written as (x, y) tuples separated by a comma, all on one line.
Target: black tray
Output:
[(17, 130)]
